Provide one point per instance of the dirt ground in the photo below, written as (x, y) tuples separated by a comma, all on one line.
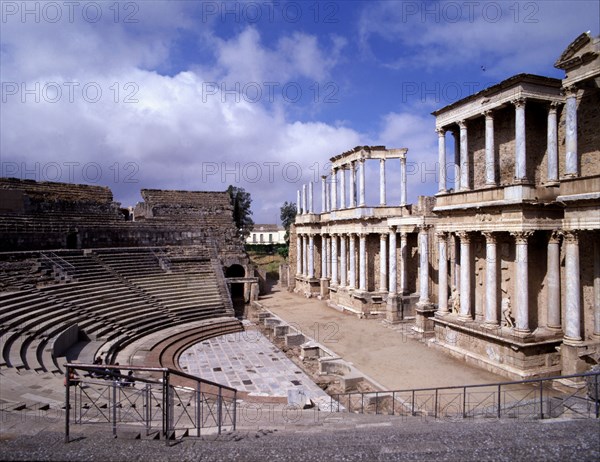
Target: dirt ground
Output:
[(391, 356)]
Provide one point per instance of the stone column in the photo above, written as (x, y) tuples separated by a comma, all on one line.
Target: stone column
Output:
[(403, 263), (423, 265), (327, 197), (393, 286), (520, 146), (382, 182), (441, 160), (465, 183), (457, 169), (442, 273), (352, 184), (552, 145), (311, 256), (323, 194), (521, 305), (456, 243), (352, 257), (553, 292), (573, 288), (305, 255), (403, 180), (342, 188), (491, 279), (298, 203), (490, 161), (571, 132), (343, 265), (383, 264), (597, 286), (324, 256), (361, 183), (299, 256), (334, 260), (362, 268), (304, 200), (311, 204), (465, 276), (328, 263), (334, 174)]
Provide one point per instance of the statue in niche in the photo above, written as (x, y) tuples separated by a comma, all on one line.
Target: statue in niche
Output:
[(455, 300), (507, 312)]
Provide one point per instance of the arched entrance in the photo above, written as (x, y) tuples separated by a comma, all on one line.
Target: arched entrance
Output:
[(237, 288)]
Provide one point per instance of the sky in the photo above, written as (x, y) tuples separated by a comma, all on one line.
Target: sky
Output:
[(199, 95)]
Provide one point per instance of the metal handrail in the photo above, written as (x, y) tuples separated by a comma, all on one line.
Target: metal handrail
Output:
[(169, 393), (436, 390)]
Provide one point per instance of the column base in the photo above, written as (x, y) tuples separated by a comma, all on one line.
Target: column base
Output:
[(391, 312), (572, 341), (439, 313), (522, 333), (464, 317), (552, 184), (554, 330), (491, 325), (491, 184)]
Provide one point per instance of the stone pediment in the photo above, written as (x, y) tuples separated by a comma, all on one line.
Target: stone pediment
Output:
[(580, 51)]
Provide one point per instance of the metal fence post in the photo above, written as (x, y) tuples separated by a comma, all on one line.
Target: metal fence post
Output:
[(435, 410), (198, 405), (67, 402), (219, 410), (464, 402), (114, 407), (541, 399), (412, 409), (234, 409), (148, 408), (499, 401), (597, 397)]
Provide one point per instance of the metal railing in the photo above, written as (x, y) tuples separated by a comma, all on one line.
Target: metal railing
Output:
[(163, 260), (59, 264), (536, 398), (168, 402)]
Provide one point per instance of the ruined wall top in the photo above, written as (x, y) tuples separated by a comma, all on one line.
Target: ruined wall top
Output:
[(367, 152)]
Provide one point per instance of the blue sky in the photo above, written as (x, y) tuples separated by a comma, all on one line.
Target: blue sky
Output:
[(199, 95)]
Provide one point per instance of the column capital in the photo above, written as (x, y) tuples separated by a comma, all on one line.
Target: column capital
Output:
[(570, 91), (383, 236), (555, 237), (424, 228), (462, 124), (554, 105), (393, 229), (441, 132), (362, 234), (464, 236), (441, 235), (571, 236), (490, 237), (519, 102), (323, 177), (521, 237), (489, 114)]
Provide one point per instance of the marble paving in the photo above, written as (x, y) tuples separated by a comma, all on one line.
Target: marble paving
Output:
[(249, 362)]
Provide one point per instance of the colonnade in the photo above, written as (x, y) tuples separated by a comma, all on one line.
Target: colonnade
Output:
[(462, 161)]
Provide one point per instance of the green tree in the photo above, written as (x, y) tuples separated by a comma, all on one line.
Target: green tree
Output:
[(241, 202), (287, 215)]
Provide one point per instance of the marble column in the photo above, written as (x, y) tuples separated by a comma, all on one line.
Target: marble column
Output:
[(311, 204), (323, 194), (597, 285), (362, 267), (403, 263), (456, 244), (343, 264), (403, 180), (441, 160), (311, 256), (334, 175), (328, 249), (361, 184), (423, 266), (442, 273), (465, 182), (305, 255), (352, 258), (327, 197), (457, 169), (490, 161), (298, 254), (553, 293), (491, 279), (352, 184), (334, 260), (552, 144), (342, 188), (304, 200), (393, 286), (521, 304), (382, 182), (298, 203), (520, 141), (573, 288), (571, 167), (383, 264), (323, 256), (465, 276)]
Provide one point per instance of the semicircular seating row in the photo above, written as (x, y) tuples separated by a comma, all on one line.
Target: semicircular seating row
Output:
[(114, 297)]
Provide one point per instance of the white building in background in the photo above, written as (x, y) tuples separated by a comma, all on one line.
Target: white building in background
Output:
[(266, 234)]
